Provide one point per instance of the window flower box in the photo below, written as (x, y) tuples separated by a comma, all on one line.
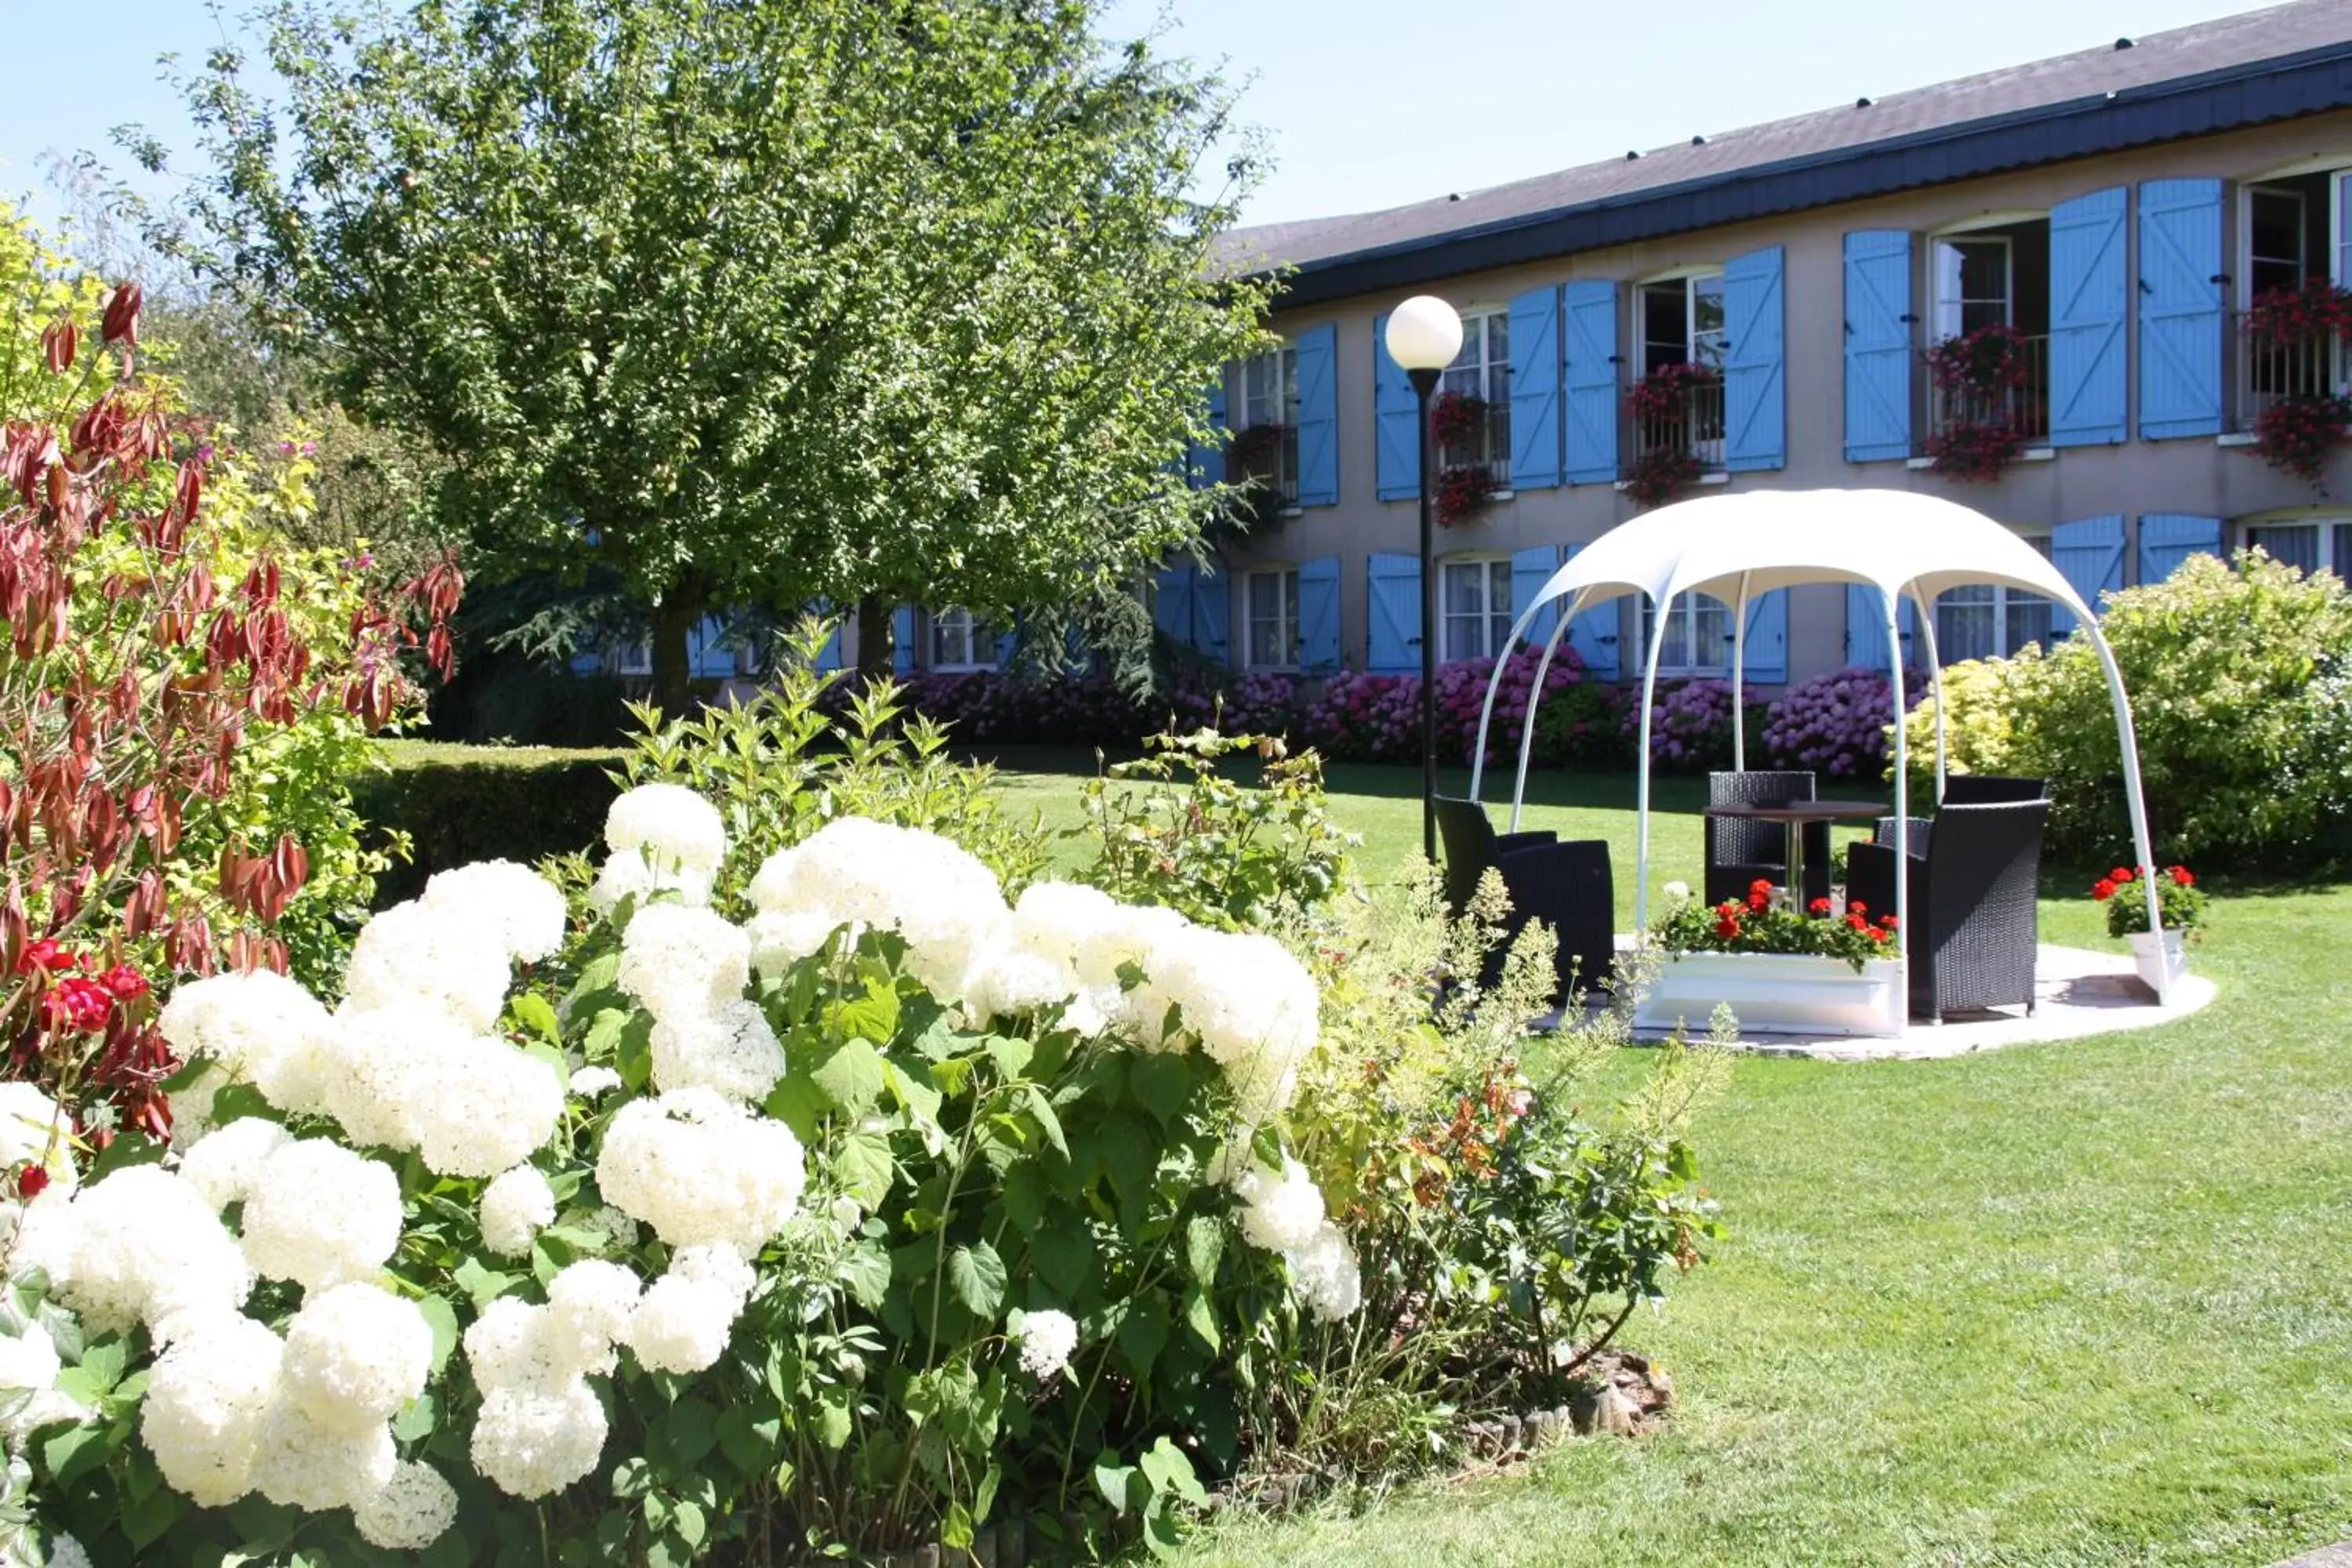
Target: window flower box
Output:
[(1778, 994)]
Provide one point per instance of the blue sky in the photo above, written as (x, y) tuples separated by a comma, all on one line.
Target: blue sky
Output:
[(1368, 102)]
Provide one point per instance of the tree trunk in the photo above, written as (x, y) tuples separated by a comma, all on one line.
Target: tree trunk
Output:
[(876, 642), (674, 621)]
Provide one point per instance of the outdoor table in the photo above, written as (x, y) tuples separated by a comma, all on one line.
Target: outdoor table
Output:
[(1794, 815)]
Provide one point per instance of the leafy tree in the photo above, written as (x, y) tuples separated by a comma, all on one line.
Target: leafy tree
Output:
[(757, 302)]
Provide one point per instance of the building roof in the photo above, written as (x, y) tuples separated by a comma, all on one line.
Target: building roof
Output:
[(2294, 58)]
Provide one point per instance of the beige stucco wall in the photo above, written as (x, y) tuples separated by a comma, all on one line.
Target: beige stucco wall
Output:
[(2196, 475)]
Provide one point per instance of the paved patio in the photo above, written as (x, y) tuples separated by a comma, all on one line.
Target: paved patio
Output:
[(2077, 992)]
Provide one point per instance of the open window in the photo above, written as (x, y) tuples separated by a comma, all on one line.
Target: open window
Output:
[(1678, 322), (1266, 444), (1988, 319), (2292, 234), (1481, 375)]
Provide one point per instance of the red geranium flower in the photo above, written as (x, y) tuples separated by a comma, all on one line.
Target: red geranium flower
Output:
[(1819, 906), (2103, 889), (2181, 874), (1886, 921), (2120, 875), (1856, 907), (1759, 887), (1880, 936)]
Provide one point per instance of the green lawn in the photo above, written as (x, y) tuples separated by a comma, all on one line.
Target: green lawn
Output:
[(2078, 1303)]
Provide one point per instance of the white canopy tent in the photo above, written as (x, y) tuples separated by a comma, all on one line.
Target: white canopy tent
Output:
[(1734, 546)]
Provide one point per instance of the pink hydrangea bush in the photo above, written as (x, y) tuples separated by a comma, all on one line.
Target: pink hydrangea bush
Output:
[(1690, 725), (1836, 724), (1363, 717)]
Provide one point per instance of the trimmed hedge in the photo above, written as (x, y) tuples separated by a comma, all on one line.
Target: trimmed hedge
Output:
[(460, 804)]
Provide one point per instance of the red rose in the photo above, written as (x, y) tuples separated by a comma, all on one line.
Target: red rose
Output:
[(2103, 889), (1819, 906), (2181, 876), (123, 983), (32, 1181)]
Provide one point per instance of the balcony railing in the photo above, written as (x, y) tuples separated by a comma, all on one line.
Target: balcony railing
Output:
[(1489, 447), (1697, 428), (2269, 373), (2025, 402)]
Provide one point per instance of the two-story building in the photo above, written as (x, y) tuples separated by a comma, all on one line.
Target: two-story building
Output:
[(2116, 212)]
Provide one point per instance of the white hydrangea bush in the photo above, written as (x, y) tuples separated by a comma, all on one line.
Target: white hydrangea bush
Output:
[(442, 1239)]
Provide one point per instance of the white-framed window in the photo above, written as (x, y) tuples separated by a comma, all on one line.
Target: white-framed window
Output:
[(1270, 398), (2316, 544), (1476, 606), (1976, 283), (961, 641), (1272, 616), (1988, 620), (1483, 369), (2278, 229), (1681, 320), (1698, 634)]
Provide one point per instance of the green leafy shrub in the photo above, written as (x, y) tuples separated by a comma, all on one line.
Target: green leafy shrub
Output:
[(1982, 701), (455, 805)]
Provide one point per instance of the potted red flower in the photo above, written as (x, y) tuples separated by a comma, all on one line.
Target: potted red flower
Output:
[(2159, 955)]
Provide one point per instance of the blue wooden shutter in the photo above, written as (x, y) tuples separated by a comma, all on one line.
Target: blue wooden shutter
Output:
[(2168, 538), (1318, 416), (1593, 635), (2086, 320), (902, 638), (1530, 570), (1588, 325), (1171, 601), (1212, 606), (1755, 375), (1878, 345), (1865, 627), (829, 655), (1766, 662), (2179, 309), (1008, 643), (1319, 615), (587, 662), (1536, 363), (2090, 555), (1205, 465), (1396, 420), (707, 653), (1394, 619)]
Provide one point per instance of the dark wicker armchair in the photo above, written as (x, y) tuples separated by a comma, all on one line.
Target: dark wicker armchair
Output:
[(1982, 789), (1566, 886), (1974, 923), (1739, 854)]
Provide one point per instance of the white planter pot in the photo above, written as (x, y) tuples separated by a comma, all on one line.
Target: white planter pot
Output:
[(1778, 994), (2161, 958)]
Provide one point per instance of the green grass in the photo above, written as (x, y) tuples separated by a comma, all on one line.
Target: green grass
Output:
[(2078, 1303)]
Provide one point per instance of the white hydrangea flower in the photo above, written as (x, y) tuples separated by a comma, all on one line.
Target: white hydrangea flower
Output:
[(298, 1463), (613, 1228), (627, 874), (1279, 1211), (699, 1168), (493, 1105), (29, 1362), (1678, 890), (678, 960), (319, 1214), (782, 938), (590, 1082), (667, 822), (731, 1050), (1007, 982), (1047, 1340), (225, 1164), (355, 1354), (719, 1267), (141, 1246), (517, 1344), (454, 960), (33, 1132), (1250, 1003), (65, 1552), (526, 907), (1125, 936), (589, 1303), (1059, 921), (933, 892), (205, 1400), (246, 1027), (1324, 1273), (411, 1510), (682, 1324), (530, 1442), (386, 1063), (516, 1205)]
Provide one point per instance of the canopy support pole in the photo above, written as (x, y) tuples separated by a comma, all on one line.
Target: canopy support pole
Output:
[(1528, 729), (1902, 805), (1494, 684), (1738, 679), (2135, 797), (1642, 781), (1936, 677)]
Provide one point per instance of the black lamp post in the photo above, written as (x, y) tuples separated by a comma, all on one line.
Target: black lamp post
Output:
[(1424, 335)]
